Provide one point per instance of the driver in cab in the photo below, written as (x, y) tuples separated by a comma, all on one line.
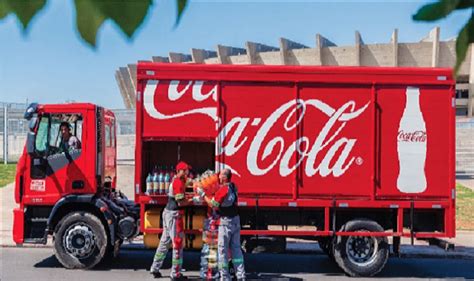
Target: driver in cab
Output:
[(68, 141)]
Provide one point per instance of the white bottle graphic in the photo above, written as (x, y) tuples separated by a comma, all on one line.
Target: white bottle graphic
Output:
[(412, 140)]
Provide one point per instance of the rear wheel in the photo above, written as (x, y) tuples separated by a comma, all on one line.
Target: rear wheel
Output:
[(80, 241), (358, 255)]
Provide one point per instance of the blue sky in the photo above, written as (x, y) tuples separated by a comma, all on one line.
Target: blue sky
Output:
[(50, 63)]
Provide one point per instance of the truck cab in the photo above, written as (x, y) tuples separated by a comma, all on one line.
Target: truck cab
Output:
[(65, 184)]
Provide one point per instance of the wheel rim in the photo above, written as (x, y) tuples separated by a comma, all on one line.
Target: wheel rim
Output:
[(79, 241), (362, 250)]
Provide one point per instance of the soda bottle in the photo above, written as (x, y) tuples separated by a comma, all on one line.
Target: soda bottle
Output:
[(149, 184), (167, 181), (161, 180), (411, 145), (156, 184)]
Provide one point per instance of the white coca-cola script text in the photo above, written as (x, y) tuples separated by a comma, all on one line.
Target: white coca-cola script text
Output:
[(416, 136), (232, 136)]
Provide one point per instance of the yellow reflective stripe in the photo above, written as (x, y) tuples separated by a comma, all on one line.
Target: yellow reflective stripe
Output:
[(237, 261), (214, 203), (177, 261), (179, 196), (160, 256)]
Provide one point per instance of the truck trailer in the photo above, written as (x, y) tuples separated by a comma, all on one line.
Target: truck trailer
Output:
[(346, 156)]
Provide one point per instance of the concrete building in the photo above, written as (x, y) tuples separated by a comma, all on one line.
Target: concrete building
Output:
[(428, 52)]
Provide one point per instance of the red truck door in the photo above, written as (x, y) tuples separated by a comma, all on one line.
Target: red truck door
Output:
[(415, 141), (292, 140), (338, 126), (59, 170), (257, 133)]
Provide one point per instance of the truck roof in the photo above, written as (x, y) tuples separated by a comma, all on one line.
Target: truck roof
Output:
[(320, 74), (68, 106)]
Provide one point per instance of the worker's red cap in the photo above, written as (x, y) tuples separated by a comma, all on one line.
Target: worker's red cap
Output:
[(182, 166)]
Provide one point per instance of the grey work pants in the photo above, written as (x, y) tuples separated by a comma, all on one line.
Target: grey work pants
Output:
[(173, 235), (229, 241)]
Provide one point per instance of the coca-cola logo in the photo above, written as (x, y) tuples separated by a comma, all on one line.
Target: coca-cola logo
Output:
[(326, 153), (177, 91), (336, 161), (415, 136)]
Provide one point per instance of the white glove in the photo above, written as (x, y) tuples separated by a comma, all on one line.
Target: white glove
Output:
[(200, 192), (197, 200)]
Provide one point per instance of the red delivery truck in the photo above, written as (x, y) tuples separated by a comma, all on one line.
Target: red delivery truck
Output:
[(347, 156)]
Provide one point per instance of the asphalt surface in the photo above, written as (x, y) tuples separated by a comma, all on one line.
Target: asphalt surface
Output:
[(37, 264)]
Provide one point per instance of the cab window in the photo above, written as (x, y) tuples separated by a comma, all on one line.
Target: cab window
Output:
[(59, 133), (108, 133), (42, 135), (112, 133)]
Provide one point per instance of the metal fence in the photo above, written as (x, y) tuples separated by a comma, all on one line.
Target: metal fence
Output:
[(16, 124), (11, 119), (125, 121), (13, 130)]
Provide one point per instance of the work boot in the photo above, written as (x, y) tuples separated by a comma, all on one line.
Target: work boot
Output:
[(156, 274)]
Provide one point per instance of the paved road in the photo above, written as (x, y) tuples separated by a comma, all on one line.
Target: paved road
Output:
[(39, 264)]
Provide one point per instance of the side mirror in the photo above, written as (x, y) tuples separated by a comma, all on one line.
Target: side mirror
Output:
[(32, 123), (32, 109), (31, 136), (30, 143)]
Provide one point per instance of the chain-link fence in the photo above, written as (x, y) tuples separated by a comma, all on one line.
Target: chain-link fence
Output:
[(17, 128), (13, 130)]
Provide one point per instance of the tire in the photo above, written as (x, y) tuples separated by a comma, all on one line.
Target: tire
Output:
[(80, 241), (361, 256)]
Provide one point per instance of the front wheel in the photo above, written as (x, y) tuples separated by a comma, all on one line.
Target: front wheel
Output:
[(80, 241), (361, 255)]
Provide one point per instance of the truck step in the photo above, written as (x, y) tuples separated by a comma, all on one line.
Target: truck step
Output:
[(39, 219), (35, 241)]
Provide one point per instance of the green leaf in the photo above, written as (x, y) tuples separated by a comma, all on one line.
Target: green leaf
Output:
[(4, 9), (436, 11), (463, 4), (465, 37), (24, 10), (129, 15), (181, 6), (89, 18), (126, 14)]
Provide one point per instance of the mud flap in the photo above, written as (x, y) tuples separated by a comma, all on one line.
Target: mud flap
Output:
[(18, 225)]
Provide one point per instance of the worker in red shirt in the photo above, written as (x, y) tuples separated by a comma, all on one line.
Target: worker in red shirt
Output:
[(225, 201), (173, 226)]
